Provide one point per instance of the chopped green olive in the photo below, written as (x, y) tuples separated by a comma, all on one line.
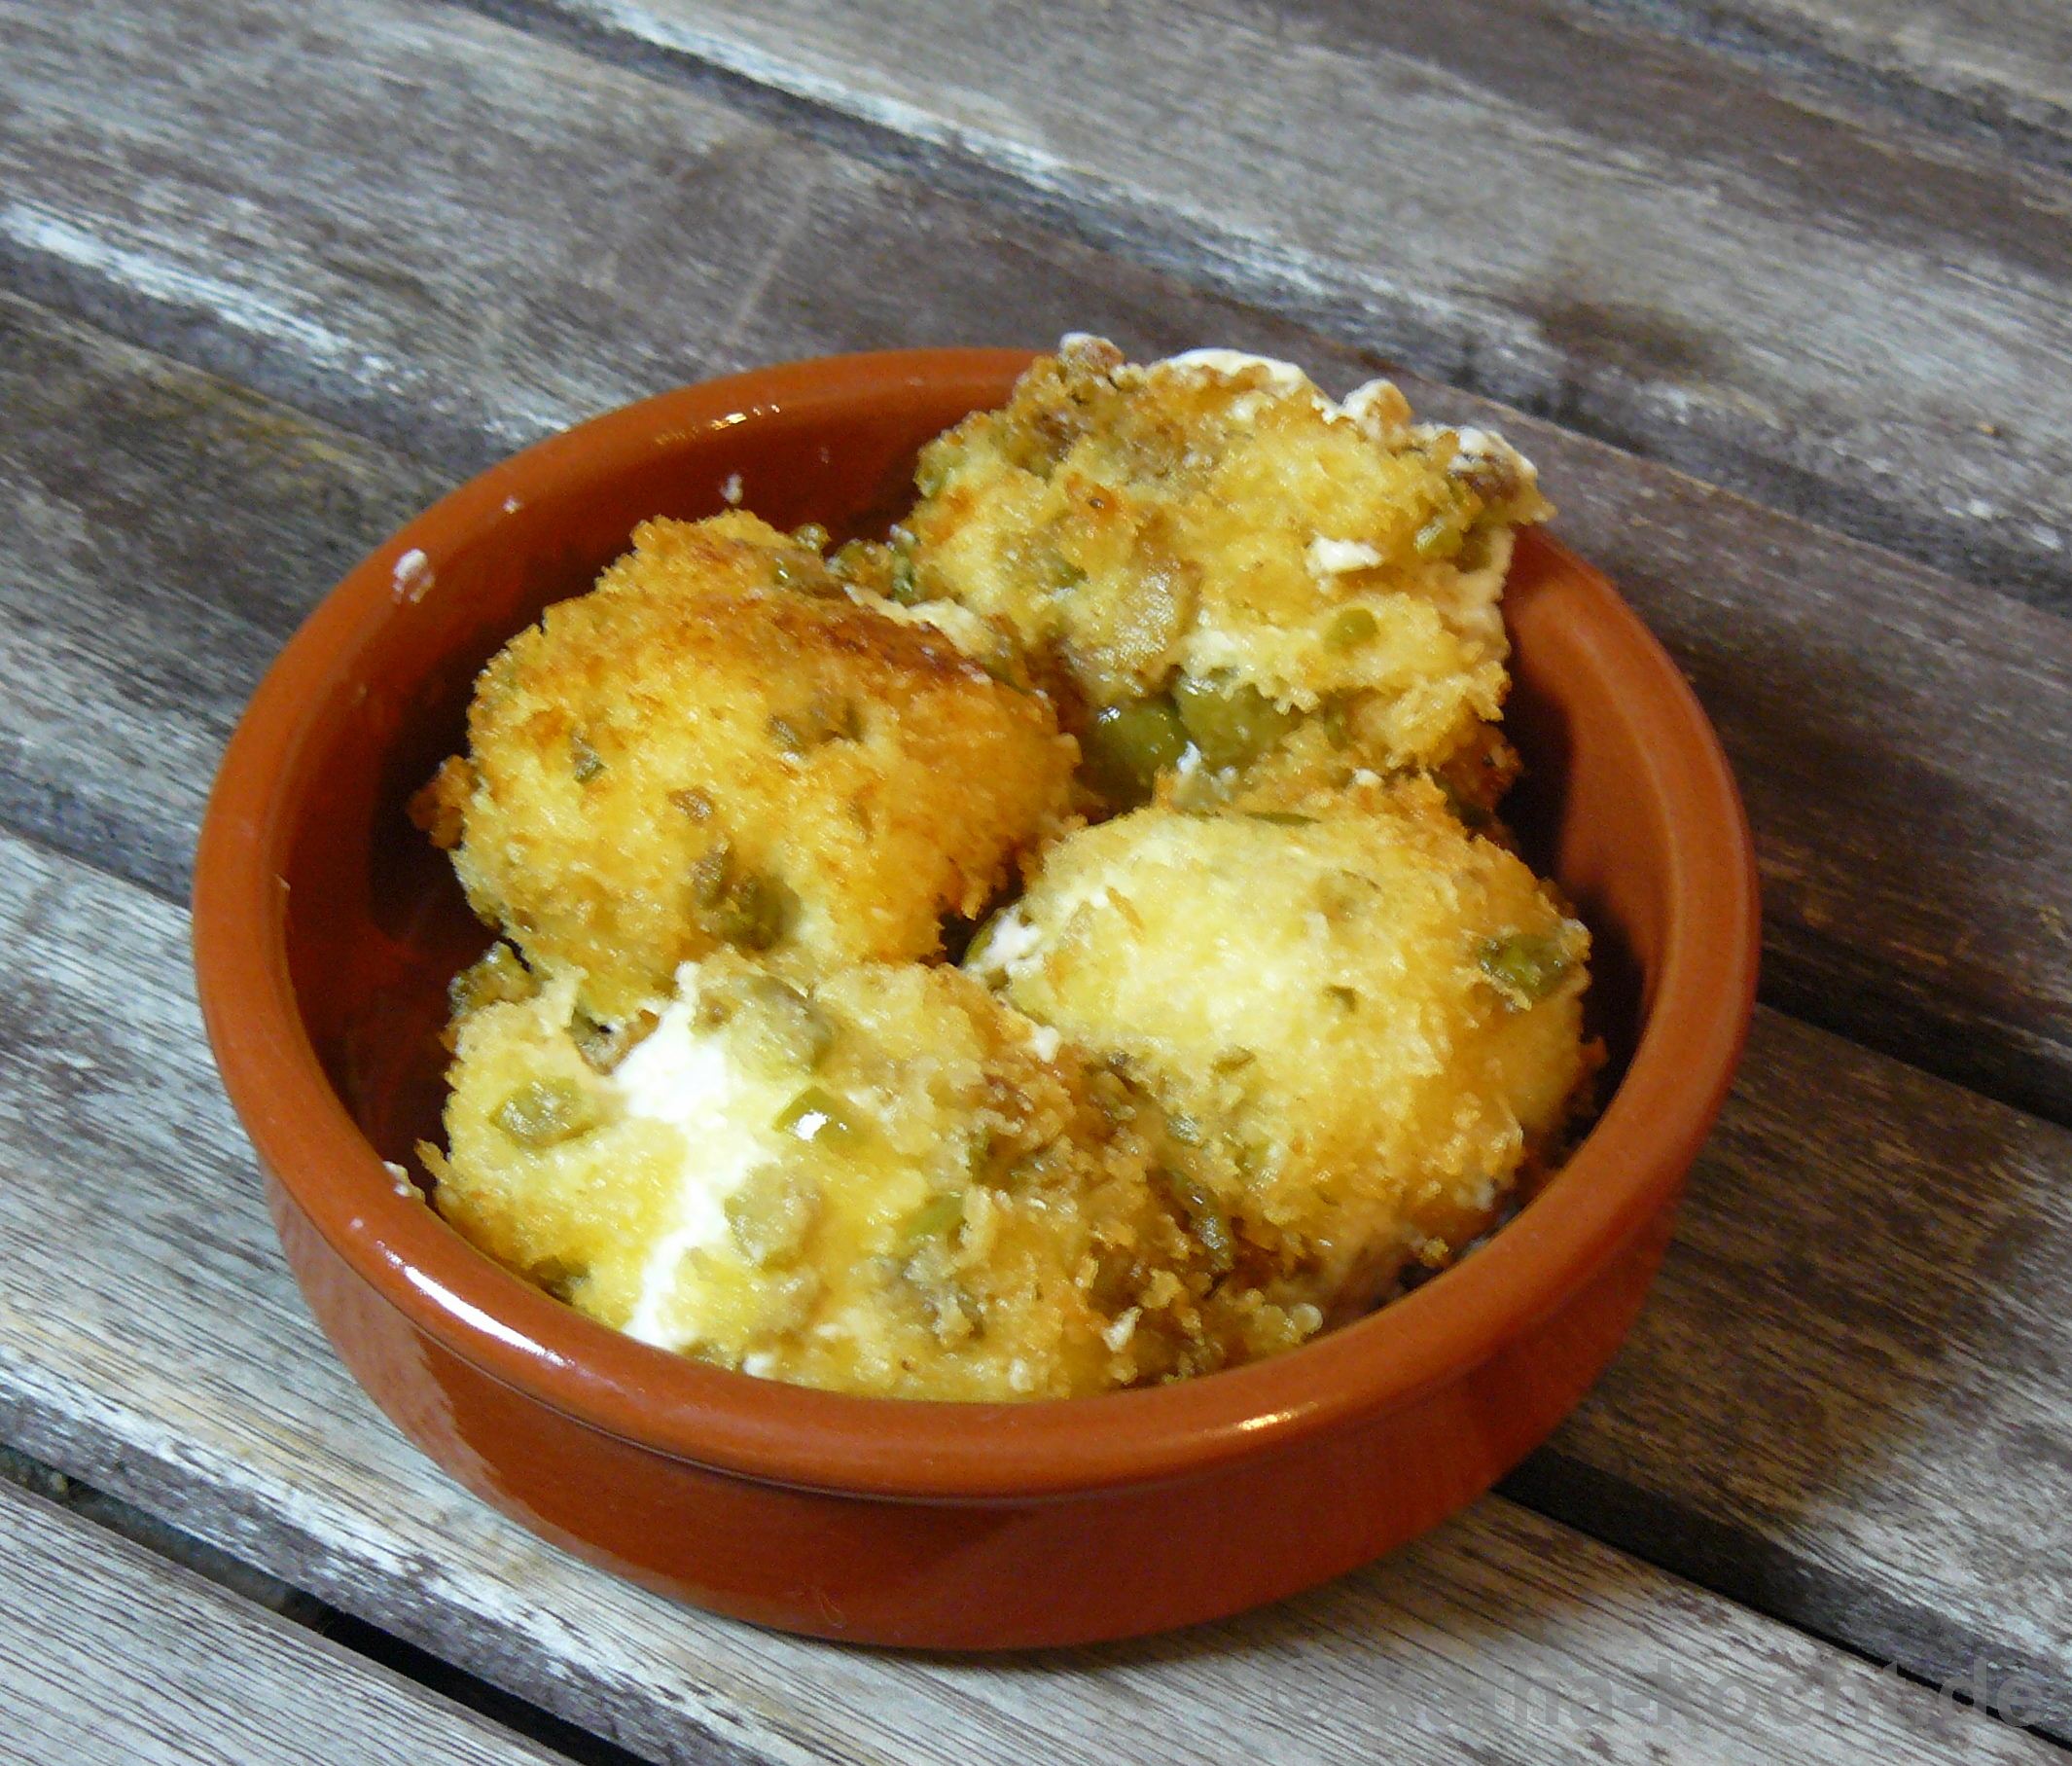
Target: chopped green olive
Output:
[(545, 1112), (709, 874), (1205, 1219), (1129, 745), (811, 535), (772, 1213), (499, 977), (938, 1217), (739, 906), (1232, 725), (1439, 537), (603, 1044), (1350, 627), (902, 587), (783, 1029), (1061, 574), (1524, 967), (817, 1115), (752, 913), (785, 571), (585, 760), (820, 721), (1282, 819)]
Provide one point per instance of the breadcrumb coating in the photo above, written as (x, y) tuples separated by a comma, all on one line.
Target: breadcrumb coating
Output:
[(719, 746), (889, 1182), (1207, 553), (1368, 1019)]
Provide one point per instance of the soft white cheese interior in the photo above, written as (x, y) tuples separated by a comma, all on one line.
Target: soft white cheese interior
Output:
[(689, 1078)]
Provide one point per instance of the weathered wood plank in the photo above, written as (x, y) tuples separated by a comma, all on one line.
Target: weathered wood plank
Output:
[(166, 531), (151, 1341), (1866, 1318), (1623, 235), (356, 203), (1906, 742), (110, 1656), (1593, 224), (1997, 68)]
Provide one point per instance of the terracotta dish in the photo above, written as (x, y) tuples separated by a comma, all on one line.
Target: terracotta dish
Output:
[(325, 930)]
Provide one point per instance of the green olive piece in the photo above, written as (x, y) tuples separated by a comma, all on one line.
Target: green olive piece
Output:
[(811, 535), (740, 908), (585, 761), (545, 1112), (1233, 725), (818, 1116), (1129, 745), (1205, 1220), (772, 1213), (1350, 627), (783, 1030), (753, 912), (1524, 967), (939, 1217)]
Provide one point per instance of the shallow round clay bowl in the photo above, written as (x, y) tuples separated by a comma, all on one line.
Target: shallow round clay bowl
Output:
[(325, 930)]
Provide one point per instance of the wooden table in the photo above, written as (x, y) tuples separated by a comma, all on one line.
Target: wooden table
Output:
[(1775, 292)]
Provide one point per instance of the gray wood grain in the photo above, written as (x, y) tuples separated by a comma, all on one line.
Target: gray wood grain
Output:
[(1995, 68), (108, 1656), (1622, 233), (1828, 311), (150, 1340)]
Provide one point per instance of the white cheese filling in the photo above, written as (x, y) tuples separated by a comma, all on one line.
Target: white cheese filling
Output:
[(1229, 364), (687, 1077), (1335, 557)]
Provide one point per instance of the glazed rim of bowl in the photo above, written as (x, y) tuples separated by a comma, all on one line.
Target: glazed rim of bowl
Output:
[(1616, 1180)]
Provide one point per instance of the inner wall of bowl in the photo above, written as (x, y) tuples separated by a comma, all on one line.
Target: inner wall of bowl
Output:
[(376, 924)]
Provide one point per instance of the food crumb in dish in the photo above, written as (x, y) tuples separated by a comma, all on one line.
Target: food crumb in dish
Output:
[(412, 580)]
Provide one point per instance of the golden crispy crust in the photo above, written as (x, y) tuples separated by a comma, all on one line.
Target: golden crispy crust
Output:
[(998, 1220), (1369, 1018), (1224, 529), (718, 745)]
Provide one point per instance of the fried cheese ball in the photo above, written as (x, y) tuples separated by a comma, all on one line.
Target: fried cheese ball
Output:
[(720, 745), (1216, 566), (889, 1182), (1367, 1018)]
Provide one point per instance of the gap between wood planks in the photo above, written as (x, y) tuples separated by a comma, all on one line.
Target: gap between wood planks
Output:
[(2020, 108), (214, 1645), (247, 1582)]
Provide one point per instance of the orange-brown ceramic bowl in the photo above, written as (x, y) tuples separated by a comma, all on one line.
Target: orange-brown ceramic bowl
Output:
[(325, 930)]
